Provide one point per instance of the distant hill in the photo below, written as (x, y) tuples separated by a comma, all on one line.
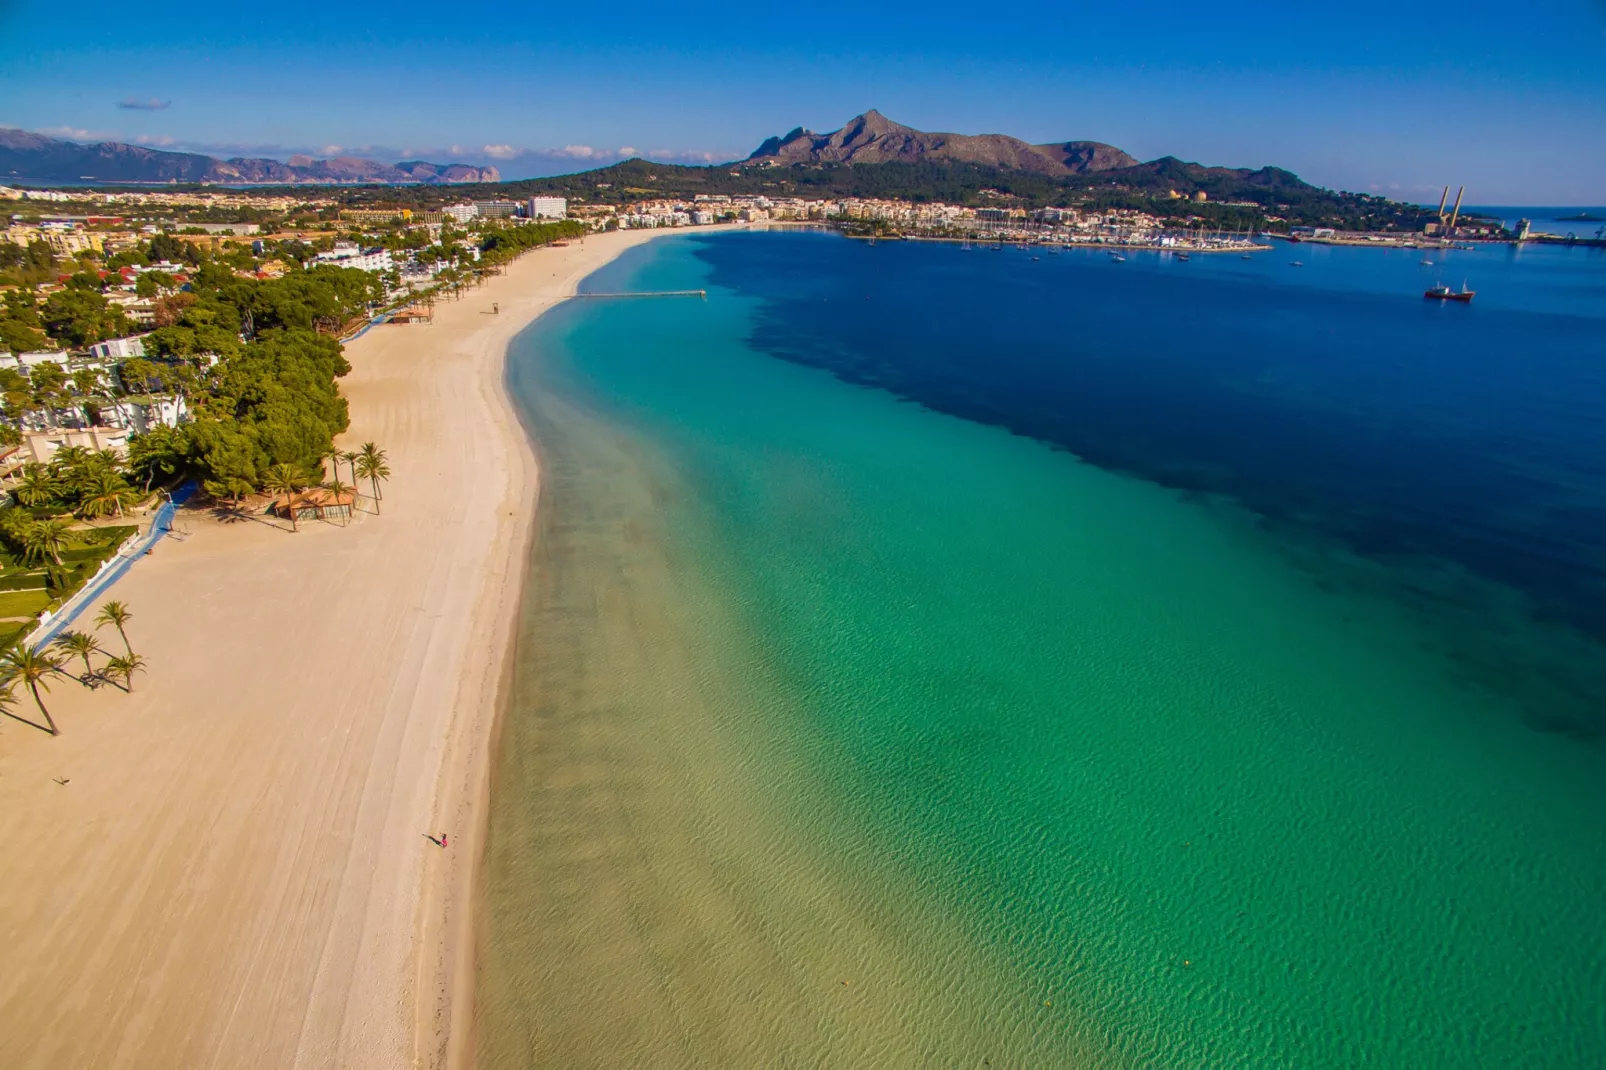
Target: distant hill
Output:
[(26, 157), (873, 138)]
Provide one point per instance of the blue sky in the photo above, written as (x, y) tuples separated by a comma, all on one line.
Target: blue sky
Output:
[(1509, 99)]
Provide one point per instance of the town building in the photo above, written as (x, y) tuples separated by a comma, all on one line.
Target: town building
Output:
[(138, 415), (42, 445), (376, 215), (347, 254), (237, 229), (547, 208), (459, 213), (496, 209), (119, 348), (24, 361)]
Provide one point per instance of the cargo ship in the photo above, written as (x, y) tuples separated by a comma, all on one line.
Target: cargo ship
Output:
[(1441, 292)]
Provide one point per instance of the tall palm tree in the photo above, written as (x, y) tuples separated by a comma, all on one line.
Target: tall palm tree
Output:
[(126, 667), (117, 615), (8, 699), (371, 465), (32, 666), (334, 456), (80, 643), (47, 537), (350, 457), (285, 480)]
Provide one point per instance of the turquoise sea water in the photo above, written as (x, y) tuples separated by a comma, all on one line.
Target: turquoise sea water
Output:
[(854, 732)]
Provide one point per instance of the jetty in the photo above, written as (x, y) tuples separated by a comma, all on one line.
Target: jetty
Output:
[(652, 293)]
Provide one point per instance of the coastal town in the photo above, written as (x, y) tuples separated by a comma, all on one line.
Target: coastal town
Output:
[(95, 347)]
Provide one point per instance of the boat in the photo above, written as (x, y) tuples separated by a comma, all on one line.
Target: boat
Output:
[(1427, 263), (1246, 256), (1182, 256), (1118, 258), (1441, 292), (1037, 258), (1296, 263)]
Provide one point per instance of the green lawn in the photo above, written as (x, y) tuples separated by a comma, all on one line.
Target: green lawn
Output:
[(22, 589), (12, 633), (23, 603), (12, 580)]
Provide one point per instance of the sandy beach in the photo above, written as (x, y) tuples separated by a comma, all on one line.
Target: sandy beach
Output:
[(236, 873)]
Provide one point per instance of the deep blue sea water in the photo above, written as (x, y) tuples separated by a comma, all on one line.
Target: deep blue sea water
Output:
[(1330, 398)]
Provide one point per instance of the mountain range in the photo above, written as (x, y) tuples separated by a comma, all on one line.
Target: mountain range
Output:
[(868, 139), (873, 138), (27, 157)]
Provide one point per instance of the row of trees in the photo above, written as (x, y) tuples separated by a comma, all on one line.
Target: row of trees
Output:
[(34, 667), (88, 483)]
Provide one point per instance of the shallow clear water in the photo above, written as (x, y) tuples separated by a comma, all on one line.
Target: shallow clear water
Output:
[(849, 731)]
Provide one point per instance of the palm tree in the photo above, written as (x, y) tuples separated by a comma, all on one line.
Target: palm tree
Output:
[(371, 465), (103, 492), (68, 459), (117, 615), (46, 537), (37, 486), (8, 699), (80, 643), (126, 667), (334, 456), (350, 457), (32, 666), (285, 480)]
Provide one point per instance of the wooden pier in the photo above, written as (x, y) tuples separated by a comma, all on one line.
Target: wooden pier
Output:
[(652, 293)]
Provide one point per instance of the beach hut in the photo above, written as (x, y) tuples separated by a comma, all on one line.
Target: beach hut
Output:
[(317, 503)]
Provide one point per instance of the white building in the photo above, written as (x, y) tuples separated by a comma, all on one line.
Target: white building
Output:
[(139, 414), (136, 308), (119, 348), (548, 207), (24, 361), (461, 213), (347, 254)]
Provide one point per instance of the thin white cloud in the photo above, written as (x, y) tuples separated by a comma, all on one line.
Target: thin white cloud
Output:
[(73, 133), (687, 155), (159, 140), (628, 150), (330, 150), (579, 152), (150, 104), (500, 152)]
